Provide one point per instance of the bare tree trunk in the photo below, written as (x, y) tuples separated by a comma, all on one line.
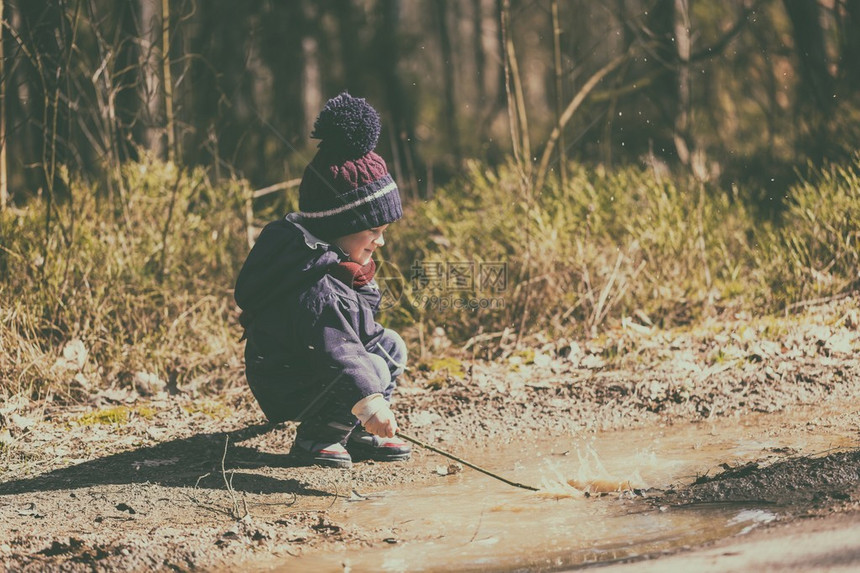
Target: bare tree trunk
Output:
[(622, 16), (107, 87), (850, 49), (681, 24), (311, 78), (172, 151), (663, 92), (805, 18), (350, 46), (150, 70), (815, 92), (478, 49), (516, 101), (448, 78), (4, 191), (669, 30), (492, 82), (399, 104), (559, 93)]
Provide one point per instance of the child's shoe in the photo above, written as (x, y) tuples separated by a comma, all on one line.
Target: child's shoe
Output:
[(321, 453), (322, 444), (365, 445)]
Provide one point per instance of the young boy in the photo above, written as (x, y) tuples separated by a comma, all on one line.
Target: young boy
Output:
[(314, 351)]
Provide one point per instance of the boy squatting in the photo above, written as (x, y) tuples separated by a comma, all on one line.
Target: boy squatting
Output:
[(314, 352)]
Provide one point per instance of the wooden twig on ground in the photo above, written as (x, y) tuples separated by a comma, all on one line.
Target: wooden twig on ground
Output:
[(233, 511), (418, 442), (229, 483), (336, 495), (204, 476), (819, 301), (477, 527)]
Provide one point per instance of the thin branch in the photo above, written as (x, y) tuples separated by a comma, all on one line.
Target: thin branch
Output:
[(229, 484), (276, 187), (166, 229), (717, 48), (480, 517), (568, 113)]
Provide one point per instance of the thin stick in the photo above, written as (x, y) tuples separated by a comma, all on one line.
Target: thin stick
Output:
[(568, 113), (478, 527), (276, 187), (229, 483), (418, 442)]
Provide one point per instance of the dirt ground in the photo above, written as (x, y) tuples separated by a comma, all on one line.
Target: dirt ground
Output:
[(158, 480)]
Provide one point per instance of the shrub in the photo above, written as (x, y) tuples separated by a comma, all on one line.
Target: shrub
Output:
[(134, 287), (816, 251), (140, 281), (605, 245)]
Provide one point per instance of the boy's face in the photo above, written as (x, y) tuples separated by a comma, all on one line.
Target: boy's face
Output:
[(360, 246)]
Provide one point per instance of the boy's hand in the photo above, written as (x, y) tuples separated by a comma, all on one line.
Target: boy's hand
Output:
[(382, 424)]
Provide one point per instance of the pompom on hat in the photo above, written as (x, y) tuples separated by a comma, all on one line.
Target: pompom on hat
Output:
[(346, 188)]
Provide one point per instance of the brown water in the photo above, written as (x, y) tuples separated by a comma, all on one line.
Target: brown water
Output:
[(471, 522)]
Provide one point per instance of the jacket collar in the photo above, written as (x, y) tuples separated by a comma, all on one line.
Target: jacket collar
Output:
[(311, 240)]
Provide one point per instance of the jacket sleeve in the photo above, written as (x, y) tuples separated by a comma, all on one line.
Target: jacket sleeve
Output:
[(371, 295), (334, 341)]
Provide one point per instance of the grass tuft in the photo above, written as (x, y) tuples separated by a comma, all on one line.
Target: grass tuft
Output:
[(119, 416)]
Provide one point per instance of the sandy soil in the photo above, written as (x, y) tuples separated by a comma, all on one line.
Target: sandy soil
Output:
[(181, 481)]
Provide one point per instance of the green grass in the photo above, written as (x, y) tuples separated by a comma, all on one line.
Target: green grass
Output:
[(143, 276), (815, 253), (118, 416), (611, 244)]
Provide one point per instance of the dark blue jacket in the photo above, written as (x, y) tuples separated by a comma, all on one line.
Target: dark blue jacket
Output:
[(304, 327)]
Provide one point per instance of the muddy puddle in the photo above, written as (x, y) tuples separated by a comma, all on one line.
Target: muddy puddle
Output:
[(471, 522)]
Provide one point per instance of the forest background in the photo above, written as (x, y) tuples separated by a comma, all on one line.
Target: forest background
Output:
[(636, 162)]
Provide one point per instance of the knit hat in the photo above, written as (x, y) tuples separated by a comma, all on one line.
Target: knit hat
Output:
[(346, 188)]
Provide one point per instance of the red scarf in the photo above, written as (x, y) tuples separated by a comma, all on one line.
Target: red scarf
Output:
[(353, 273)]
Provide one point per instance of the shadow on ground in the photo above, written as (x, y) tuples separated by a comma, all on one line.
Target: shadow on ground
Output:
[(177, 463)]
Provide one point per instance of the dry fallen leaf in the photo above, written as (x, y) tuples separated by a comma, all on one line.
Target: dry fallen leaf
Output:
[(30, 511), (14, 404), (148, 383), (74, 355), (156, 433), (21, 422)]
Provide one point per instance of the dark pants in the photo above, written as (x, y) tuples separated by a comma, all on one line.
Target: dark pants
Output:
[(333, 412), (321, 404)]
